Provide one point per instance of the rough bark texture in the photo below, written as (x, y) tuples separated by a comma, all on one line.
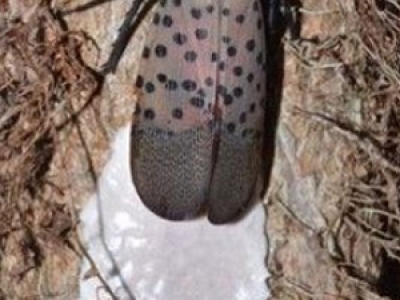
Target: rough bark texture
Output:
[(327, 222), (55, 130), (333, 197)]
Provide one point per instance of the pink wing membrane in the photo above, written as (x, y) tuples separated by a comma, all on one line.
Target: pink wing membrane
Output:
[(242, 99), (196, 136)]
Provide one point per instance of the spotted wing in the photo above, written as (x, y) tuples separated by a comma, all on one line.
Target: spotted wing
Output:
[(172, 136), (241, 98)]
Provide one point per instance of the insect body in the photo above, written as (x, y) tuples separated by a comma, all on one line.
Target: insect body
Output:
[(197, 132)]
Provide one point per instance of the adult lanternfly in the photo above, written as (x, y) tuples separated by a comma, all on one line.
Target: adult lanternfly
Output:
[(197, 133)]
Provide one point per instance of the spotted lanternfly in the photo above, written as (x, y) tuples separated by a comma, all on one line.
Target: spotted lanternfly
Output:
[(197, 133)]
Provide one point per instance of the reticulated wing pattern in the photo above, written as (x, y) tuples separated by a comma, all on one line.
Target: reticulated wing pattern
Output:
[(196, 135), (241, 95), (171, 136), (173, 177)]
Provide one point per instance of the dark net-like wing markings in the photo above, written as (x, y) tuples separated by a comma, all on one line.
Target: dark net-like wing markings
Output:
[(171, 182), (171, 139), (238, 159), (195, 51), (234, 177)]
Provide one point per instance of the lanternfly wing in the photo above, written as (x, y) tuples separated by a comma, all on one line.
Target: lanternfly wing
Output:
[(241, 96), (172, 139), (196, 136)]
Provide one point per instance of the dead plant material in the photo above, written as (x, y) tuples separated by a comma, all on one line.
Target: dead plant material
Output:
[(371, 204), (44, 84), (369, 232)]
